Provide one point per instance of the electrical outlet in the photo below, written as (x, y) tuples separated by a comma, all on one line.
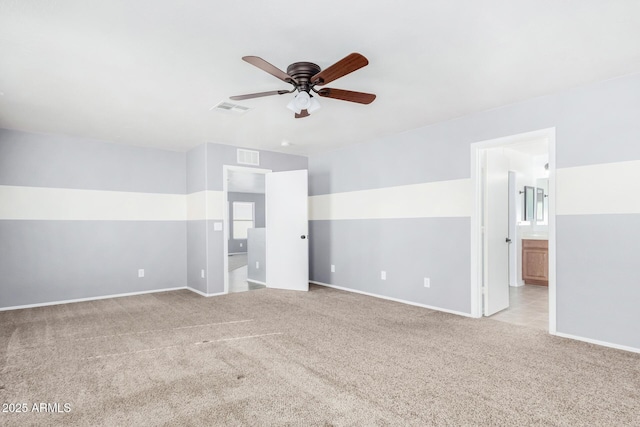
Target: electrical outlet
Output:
[(141, 272), (257, 265), (383, 275), (427, 282), (241, 244), (202, 273), (333, 268)]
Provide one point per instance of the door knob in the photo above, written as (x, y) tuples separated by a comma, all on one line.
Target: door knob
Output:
[(303, 237), (508, 240)]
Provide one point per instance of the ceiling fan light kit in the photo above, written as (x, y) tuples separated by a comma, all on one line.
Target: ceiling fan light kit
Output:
[(305, 76), (303, 101)]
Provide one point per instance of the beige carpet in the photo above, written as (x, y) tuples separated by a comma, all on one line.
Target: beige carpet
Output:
[(320, 358)]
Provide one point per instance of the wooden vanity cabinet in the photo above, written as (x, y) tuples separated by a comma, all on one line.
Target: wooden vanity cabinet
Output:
[(535, 262)]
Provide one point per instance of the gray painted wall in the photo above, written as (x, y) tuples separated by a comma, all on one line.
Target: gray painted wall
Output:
[(404, 249), (240, 245), (46, 261), (196, 181), (196, 170), (257, 253), (215, 259), (594, 124), (598, 270), (55, 161), (196, 245)]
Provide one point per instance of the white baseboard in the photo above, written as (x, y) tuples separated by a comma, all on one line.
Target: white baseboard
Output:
[(598, 342), (430, 307), (69, 301), (204, 294), (257, 282)]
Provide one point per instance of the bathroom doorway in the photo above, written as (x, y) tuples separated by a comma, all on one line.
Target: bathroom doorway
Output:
[(244, 191), (280, 261), (508, 174)]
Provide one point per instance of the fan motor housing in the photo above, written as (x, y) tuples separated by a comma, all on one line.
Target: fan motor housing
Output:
[(302, 72)]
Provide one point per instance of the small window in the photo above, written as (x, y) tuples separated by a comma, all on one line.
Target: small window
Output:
[(243, 219)]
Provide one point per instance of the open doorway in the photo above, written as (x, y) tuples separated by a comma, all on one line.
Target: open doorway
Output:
[(513, 229), (281, 259), (245, 230)]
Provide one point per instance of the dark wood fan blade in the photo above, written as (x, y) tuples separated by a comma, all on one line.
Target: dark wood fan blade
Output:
[(347, 95), (346, 65), (303, 113), (258, 95), (271, 69)]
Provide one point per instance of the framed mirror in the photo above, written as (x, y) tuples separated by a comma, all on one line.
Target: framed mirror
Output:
[(539, 204), (529, 200)]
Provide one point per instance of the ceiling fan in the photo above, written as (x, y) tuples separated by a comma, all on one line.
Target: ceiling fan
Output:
[(305, 76)]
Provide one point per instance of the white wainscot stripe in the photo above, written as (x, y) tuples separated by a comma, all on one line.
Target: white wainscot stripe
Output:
[(215, 205), (606, 188), (40, 203), (197, 205), (431, 199), (205, 205)]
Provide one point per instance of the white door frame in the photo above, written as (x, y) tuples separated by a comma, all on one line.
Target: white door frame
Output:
[(476, 217), (225, 212)]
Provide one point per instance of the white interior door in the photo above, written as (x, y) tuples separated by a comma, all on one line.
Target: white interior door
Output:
[(496, 232), (287, 243), (513, 226)]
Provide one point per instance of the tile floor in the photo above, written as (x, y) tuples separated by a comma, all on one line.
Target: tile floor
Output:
[(528, 306), (238, 281), (237, 261)]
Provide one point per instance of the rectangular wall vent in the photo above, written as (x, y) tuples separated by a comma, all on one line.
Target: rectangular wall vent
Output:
[(248, 157), (228, 107)]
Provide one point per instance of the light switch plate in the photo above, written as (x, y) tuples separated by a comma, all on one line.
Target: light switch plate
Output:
[(217, 226)]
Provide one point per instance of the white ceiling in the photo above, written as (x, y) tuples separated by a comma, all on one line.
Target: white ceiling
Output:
[(146, 72)]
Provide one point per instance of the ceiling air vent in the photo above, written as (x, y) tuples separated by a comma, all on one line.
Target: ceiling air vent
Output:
[(228, 107), (248, 157)]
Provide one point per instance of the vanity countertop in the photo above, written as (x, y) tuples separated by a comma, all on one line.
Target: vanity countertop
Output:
[(535, 237)]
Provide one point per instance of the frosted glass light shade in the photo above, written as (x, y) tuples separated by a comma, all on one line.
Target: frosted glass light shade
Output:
[(313, 105), (303, 101)]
